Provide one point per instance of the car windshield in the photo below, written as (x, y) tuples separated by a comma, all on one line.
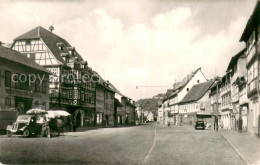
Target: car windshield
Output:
[(23, 118), (200, 121)]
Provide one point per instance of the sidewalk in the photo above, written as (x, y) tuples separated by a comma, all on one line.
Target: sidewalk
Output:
[(247, 146)]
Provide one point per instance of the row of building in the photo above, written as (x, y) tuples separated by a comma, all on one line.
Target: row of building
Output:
[(42, 70), (231, 100)]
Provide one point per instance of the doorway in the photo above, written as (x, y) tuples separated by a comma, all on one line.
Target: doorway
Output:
[(23, 104)]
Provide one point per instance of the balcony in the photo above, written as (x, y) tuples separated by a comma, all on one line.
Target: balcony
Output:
[(225, 89), (226, 106)]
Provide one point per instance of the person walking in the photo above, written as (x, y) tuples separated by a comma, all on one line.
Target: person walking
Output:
[(216, 124), (74, 122)]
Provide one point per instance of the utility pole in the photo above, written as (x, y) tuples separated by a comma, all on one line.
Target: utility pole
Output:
[(142, 115), (216, 117)]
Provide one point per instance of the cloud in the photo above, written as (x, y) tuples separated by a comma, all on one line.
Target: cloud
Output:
[(158, 52), (158, 55)]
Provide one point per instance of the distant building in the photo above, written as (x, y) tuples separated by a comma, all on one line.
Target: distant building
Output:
[(150, 116), (166, 106), (180, 89), (160, 112), (105, 100), (125, 108), (138, 110), (196, 103), (159, 96)]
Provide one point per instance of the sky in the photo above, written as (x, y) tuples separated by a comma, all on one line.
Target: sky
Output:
[(141, 46)]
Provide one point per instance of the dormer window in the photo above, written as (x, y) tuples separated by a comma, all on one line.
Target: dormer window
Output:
[(65, 56), (71, 50), (61, 46), (84, 64)]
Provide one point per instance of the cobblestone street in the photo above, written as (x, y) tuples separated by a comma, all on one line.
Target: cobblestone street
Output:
[(147, 144)]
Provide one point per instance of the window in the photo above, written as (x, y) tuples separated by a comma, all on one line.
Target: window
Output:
[(70, 94), (8, 102), (44, 87), (82, 97), (7, 78), (23, 82), (16, 81), (32, 56), (188, 89), (37, 86), (198, 81)]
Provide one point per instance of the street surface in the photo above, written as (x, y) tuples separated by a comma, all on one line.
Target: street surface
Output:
[(147, 144)]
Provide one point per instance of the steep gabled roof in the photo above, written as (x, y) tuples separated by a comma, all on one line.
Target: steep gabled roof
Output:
[(252, 22), (17, 57), (116, 90), (235, 58), (180, 85), (50, 39), (197, 92), (102, 82)]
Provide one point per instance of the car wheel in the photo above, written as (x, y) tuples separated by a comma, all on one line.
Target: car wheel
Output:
[(9, 133), (26, 133)]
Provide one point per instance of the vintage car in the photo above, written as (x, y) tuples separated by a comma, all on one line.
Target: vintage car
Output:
[(200, 125), (25, 125)]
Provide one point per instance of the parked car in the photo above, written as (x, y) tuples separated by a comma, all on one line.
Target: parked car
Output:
[(200, 125), (26, 125)]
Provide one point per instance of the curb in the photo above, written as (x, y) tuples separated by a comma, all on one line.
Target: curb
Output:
[(238, 152)]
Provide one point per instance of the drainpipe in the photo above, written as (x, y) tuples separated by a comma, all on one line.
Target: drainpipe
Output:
[(60, 86), (105, 105)]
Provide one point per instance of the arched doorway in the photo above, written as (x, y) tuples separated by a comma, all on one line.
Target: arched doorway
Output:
[(79, 118)]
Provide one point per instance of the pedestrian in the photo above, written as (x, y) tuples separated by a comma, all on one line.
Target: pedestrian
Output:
[(74, 124)]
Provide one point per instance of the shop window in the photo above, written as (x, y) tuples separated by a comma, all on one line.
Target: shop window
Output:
[(7, 78)]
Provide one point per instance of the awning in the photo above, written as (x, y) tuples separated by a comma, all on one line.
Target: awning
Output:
[(203, 115), (225, 110), (215, 114)]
